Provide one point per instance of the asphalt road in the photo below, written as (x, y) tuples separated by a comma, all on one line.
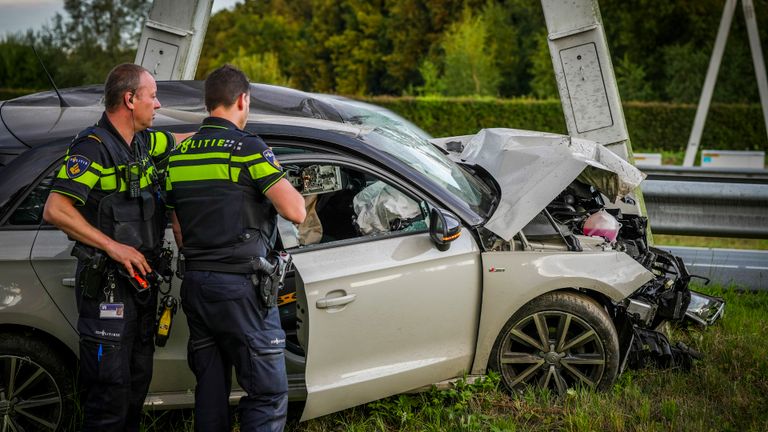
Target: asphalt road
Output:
[(745, 268)]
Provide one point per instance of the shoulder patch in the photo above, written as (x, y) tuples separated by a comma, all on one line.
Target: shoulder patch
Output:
[(77, 165), (270, 157)]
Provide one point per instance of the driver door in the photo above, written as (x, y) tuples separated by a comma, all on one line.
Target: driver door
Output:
[(383, 311)]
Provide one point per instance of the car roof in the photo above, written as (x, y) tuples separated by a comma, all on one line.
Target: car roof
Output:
[(39, 122)]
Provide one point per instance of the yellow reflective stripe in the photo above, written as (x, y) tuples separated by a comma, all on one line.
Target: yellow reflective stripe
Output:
[(262, 169), (199, 172), (62, 174), (198, 156), (246, 158), (108, 182), (87, 178), (159, 143), (168, 183), (235, 173)]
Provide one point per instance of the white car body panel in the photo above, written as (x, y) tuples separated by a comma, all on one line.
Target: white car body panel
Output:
[(532, 168), (365, 350), (527, 275)]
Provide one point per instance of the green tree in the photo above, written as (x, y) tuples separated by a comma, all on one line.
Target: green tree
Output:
[(19, 67), (630, 78), (430, 74), (469, 59), (684, 70), (262, 68), (543, 84)]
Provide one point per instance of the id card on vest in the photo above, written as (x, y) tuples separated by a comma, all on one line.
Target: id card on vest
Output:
[(111, 310)]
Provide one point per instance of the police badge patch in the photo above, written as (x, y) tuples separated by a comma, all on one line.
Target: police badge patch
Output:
[(270, 157), (77, 165)]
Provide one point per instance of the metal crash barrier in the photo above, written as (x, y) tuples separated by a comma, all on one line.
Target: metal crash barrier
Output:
[(707, 208)]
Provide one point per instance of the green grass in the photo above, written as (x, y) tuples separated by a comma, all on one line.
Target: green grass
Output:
[(727, 391), (710, 242)]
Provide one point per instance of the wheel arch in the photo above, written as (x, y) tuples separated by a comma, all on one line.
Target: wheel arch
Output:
[(43, 336), (605, 277)]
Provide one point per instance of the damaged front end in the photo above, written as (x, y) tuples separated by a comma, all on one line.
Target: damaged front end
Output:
[(642, 318), (560, 193)]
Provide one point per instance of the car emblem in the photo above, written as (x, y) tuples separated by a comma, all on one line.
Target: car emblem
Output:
[(497, 270)]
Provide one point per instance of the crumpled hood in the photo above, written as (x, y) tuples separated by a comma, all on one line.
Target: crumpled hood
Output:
[(532, 168)]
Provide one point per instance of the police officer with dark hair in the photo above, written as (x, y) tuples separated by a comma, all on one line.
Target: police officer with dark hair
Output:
[(107, 198), (226, 188)]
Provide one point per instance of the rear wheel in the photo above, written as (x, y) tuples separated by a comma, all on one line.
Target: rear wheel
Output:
[(36, 386), (558, 341)]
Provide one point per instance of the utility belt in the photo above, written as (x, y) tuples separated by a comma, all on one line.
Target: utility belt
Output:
[(98, 268), (268, 276)]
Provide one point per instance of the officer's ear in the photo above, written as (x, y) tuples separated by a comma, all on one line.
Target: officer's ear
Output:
[(129, 102)]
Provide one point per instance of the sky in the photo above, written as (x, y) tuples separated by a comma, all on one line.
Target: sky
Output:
[(20, 15)]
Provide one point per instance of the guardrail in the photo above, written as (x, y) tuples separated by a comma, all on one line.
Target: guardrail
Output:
[(699, 174), (708, 208)]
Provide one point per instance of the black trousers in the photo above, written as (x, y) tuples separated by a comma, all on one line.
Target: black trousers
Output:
[(115, 358), (228, 326)]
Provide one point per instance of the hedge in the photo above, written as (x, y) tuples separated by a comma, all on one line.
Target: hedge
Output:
[(653, 126)]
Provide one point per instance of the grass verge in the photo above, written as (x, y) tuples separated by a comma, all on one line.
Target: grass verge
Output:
[(727, 391), (710, 242)]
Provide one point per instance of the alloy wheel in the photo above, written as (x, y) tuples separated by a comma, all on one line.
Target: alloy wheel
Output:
[(552, 349), (30, 400)]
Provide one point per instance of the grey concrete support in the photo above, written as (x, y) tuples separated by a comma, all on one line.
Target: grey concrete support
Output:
[(585, 78), (173, 37)]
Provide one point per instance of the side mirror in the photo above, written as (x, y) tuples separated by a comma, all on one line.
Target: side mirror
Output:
[(444, 227)]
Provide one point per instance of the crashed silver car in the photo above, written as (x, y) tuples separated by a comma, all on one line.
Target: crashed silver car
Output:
[(419, 262)]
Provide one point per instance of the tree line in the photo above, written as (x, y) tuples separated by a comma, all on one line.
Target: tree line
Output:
[(495, 48)]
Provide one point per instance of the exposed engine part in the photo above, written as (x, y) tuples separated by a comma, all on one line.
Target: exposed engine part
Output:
[(664, 299), (640, 311), (652, 348)]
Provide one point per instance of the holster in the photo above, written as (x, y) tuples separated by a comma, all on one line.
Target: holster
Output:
[(266, 281), (268, 276), (91, 274)]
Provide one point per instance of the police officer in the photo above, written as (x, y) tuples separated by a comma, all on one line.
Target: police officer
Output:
[(106, 197), (226, 188)]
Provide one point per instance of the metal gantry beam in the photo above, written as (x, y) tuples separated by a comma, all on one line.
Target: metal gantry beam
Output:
[(714, 67)]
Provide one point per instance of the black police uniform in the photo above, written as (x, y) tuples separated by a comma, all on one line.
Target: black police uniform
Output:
[(116, 325), (216, 184)]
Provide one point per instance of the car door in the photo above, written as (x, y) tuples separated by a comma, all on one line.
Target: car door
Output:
[(53, 264), (382, 311)]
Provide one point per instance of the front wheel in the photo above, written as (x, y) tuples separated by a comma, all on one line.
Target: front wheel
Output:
[(36, 385), (558, 341)]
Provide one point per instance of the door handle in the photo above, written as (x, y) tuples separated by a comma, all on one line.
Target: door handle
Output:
[(70, 282), (336, 301)]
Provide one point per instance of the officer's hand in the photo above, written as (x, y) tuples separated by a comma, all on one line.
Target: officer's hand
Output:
[(129, 257)]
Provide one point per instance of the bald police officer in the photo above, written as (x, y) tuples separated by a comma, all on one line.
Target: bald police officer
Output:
[(226, 188)]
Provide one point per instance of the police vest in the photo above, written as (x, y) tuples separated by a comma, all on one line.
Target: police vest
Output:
[(225, 225), (138, 222)]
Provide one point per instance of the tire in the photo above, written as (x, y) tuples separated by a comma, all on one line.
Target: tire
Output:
[(581, 348), (36, 385)]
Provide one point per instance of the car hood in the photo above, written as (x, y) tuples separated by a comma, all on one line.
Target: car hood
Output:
[(532, 168)]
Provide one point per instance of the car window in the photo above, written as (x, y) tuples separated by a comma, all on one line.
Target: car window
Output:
[(346, 203), (30, 210)]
